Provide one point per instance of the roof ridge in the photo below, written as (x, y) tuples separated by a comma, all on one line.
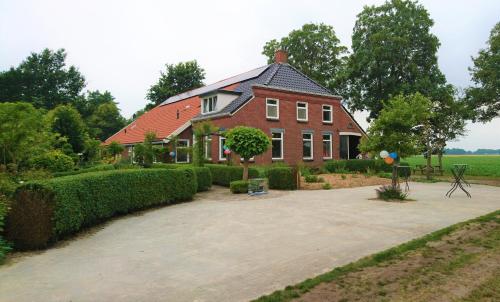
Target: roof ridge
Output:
[(271, 76)]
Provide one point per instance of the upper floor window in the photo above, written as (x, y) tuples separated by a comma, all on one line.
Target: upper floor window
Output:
[(272, 109), (209, 104), (327, 114), (302, 111)]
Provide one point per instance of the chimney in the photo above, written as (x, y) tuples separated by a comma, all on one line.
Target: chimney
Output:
[(280, 56)]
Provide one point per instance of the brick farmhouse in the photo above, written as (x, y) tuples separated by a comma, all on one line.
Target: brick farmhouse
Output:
[(305, 121)]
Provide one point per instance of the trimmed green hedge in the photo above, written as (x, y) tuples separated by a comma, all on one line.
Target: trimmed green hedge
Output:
[(357, 165), (282, 178), (223, 175), (203, 178), (239, 186), (103, 167), (43, 211), (4, 246)]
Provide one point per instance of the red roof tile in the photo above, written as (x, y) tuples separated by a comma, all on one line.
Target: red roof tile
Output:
[(162, 120)]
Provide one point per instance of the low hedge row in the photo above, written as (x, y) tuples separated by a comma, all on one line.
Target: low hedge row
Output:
[(282, 178), (223, 175), (43, 211), (4, 246), (103, 167), (357, 165), (239, 186)]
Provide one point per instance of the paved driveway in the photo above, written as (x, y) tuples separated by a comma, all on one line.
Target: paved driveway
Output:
[(219, 248)]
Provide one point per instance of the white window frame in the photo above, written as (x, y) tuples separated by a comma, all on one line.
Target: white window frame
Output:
[(312, 145), (282, 145), (323, 113), (331, 144), (307, 111), (277, 105), (211, 100), (221, 149), (207, 141), (177, 151)]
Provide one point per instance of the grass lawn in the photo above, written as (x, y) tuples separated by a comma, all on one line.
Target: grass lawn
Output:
[(479, 165), (458, 263)]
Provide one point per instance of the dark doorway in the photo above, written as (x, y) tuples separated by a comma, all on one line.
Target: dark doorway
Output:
[(349, 146)]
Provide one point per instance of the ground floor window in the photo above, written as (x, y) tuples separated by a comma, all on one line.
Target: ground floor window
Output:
[(222, 143), (277, 145), (208, 147), (181, 151), (307, 146), (349, 145), (327, 145)]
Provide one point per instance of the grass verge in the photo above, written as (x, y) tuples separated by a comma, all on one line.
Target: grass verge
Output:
[(295, 291)]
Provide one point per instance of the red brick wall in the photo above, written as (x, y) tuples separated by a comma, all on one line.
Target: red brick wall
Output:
[(253, 114)]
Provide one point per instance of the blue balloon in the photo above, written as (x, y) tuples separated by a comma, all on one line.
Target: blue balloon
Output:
[(172, 154), (393, 155)]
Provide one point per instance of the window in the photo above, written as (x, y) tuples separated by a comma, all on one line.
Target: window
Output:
[(222, 142), (181, 152), (209, 104), (307, 145), (272, 109), (208, 147), (277, 145), (327, 114), (327, 145), (302, 111)]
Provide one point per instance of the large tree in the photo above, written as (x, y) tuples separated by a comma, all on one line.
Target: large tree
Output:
[(23, 132), (68, 124), (105, 121), (402, 127), (484, 98), (393, 52), (315, 50), (43, 79), (176, 79)]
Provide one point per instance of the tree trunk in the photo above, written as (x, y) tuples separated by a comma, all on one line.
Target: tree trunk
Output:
[(245, 169), (395, 166), (429, 165), (440, 160)]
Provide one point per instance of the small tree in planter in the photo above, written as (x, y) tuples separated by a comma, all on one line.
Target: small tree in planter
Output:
[(397, 128), (247, 142)]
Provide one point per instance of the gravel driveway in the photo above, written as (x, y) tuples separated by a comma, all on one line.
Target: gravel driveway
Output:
[(223, 247)]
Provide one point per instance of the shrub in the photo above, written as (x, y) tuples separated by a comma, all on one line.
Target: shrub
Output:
[(53, 161), (4, 246), (239, 186), (223, 175), (203, 178), (7, 185), (313, 178), (44, 211), (357, 165), (390, 193), (282, 178), (103, 167), (327, 186), (343, 177)]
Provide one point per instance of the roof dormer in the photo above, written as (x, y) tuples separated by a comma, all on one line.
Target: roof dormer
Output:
[(214, 101)]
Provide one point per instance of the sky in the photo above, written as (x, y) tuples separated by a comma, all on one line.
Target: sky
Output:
[(121, 46)]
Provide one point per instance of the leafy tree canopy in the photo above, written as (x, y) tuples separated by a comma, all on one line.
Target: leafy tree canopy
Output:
[(67, 123), (484, 98), (247, 142), (23, 132), (176, 79), (105, 121), (393, 52), (42, 80), (315, 50), (396, 129)]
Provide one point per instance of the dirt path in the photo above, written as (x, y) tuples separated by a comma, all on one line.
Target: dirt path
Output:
[(464, 266)]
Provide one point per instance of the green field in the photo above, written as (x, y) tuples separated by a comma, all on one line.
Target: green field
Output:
[(479, 165)]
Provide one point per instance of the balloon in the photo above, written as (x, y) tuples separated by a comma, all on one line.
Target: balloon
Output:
[(172, 154), (226, 148), (389, 160), (227, 151), (384, 154), (393, 155)]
